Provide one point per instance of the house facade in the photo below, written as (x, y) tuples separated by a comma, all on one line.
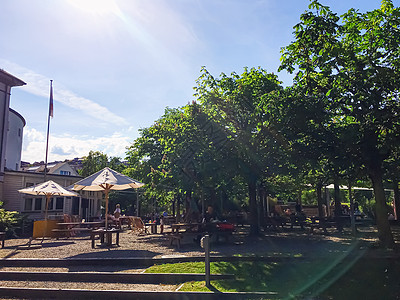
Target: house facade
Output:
[(7, 81), (12, 178), (16, 124), (87, 206), (59, 168)]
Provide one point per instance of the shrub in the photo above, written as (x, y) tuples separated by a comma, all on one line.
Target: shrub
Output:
[(8, 221)]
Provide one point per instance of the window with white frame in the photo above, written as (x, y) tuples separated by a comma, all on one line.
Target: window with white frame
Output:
[(33, 204)]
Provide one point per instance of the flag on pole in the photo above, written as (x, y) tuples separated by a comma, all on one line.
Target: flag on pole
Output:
[(51, 99)]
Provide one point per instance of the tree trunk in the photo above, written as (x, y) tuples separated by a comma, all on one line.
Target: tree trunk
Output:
[(384, 231), (254, 228), (319, 199), (336, 194), (261, 207), (352, 218), (173, 205), (178, 208), (396, 200)]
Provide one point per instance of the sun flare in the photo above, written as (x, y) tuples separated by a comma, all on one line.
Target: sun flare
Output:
[(96, 7)]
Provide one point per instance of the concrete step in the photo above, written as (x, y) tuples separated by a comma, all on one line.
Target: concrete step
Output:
[(131, 262), (39, 293), (150, 278)]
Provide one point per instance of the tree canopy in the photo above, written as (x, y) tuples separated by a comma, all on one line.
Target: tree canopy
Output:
[(246, 136)]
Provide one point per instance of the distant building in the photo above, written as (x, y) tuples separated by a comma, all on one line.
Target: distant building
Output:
[(14, 141), (59, 168), (7, 81), (16, 175)]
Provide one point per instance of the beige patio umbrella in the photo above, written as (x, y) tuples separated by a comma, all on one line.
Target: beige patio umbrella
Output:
[(48, 189), (106, 180)]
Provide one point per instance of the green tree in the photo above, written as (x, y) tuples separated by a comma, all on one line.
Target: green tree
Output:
[(116, 164), (94, 162), (179, 153), (352, 62), (233, 102)]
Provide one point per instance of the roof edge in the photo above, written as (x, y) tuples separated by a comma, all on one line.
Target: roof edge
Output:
[(9, 79)]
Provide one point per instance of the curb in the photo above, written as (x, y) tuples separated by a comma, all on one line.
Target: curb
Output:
[(36, 293), (132, 262), (152, 278)]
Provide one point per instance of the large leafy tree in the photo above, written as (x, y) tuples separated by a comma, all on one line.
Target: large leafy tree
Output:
[(180, 153), (352, 62), (97, 160), (93, 162), (233, 102)]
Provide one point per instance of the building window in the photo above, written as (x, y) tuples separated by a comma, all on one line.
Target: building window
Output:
[(19, 131), (28, 204), (59, 203), (38, 204), (65, 173)]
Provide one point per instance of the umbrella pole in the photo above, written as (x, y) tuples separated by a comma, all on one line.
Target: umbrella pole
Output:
[(106, 193), (45, 216)]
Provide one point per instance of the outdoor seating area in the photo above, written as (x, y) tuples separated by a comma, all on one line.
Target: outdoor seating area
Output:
[(122, 246)]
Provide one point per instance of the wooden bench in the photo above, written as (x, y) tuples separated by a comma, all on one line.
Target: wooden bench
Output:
[(2, 238), (69, 231), (181, 237), (322, 225), (105, 236), (175, 237)]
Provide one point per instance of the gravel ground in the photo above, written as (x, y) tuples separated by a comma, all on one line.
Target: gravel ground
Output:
[(157, 246)]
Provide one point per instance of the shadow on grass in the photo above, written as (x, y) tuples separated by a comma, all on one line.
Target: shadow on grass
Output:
[(113, 260), (290, 277)]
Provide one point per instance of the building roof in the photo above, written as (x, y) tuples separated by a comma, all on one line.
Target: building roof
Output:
[(51, 167), (9, 79), (19, 115)]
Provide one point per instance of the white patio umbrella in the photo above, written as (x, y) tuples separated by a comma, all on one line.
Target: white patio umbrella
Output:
[(48, 189), (106, 180)]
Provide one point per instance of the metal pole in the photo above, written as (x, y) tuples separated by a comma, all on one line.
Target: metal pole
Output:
[(206, 243), (137, 204), (48, 127)]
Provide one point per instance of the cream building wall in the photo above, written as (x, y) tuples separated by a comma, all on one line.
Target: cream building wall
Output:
[(34, 206), (16, 125), (7, 81)]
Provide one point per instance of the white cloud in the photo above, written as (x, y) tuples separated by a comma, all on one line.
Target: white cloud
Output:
[(63, 147), (38, 84)]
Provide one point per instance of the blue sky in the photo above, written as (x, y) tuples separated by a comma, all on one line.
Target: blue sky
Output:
[(117, 64)]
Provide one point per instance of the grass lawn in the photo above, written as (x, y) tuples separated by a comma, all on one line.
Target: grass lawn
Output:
[(330, 277)]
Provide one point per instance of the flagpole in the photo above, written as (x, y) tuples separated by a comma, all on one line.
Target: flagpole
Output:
[(48, 127)]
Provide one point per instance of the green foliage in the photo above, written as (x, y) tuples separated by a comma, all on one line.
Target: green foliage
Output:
[(96, 161), (309, 197), (338, 121), (234, 103), (349, 65), (8, 220)]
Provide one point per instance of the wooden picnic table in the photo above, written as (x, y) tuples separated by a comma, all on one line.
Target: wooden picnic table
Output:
[(188, 226), (69, 228), (86, 224), (105, 236), (153, 227), (337, 221)]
